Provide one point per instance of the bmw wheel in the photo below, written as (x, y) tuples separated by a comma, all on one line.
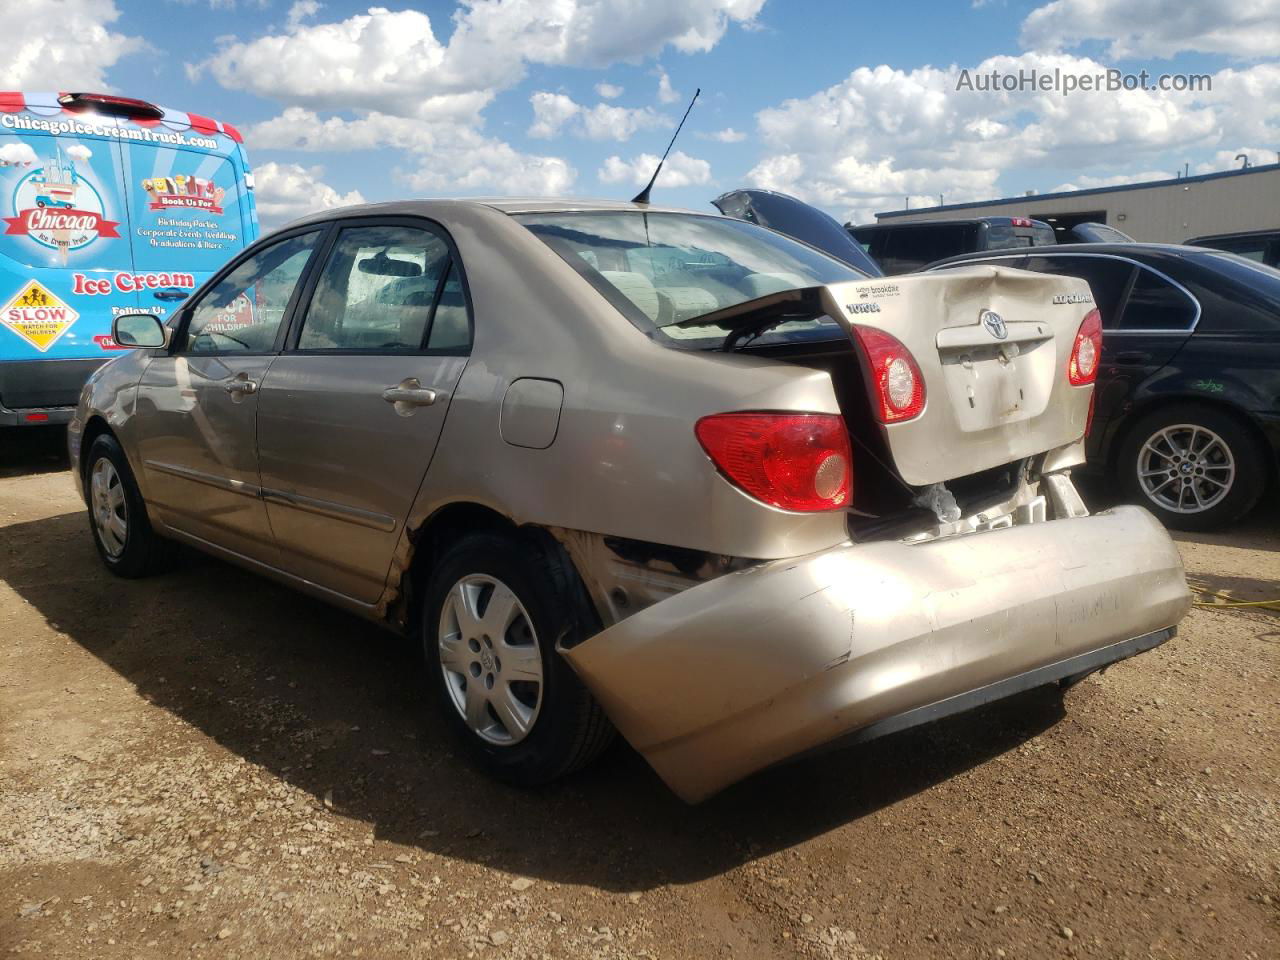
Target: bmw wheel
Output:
[(1196, 468), (495, 608)]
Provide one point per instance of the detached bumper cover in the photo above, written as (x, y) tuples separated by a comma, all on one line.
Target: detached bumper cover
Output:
[(744, 671)]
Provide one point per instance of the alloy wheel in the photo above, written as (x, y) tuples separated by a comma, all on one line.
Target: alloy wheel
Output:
[(110, 511), (1186, 468), (490, 659)]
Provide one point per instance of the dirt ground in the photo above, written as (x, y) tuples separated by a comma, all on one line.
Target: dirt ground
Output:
[(208, 763)]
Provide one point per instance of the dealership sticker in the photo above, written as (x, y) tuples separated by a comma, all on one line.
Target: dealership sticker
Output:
[(37, 316)]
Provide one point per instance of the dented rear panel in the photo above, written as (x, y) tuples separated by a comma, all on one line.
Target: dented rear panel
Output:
[(992, 344)]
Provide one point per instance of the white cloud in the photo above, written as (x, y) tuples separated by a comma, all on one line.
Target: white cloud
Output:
[(301, 10), (727, 135), (666, 94), (680, 170), (554, 112), (883, 134), (1230, 159), (17, 153), (286, 191), (1157, 28), (608, 91), (551, 111), (1091, 183), (61, 44), (78, 151), (445, 155), (388, 60)]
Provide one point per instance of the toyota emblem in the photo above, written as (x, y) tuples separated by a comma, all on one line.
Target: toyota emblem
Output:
[(994, 324)]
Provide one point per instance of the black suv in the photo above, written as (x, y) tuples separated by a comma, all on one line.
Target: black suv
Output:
[(1187, 404), (904, 247)]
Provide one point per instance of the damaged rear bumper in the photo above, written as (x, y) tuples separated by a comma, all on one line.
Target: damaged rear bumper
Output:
[(751, 668)]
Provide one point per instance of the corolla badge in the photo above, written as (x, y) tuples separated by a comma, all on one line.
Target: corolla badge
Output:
[(994, 324)]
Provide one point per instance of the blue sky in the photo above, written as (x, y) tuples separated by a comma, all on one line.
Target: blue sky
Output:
[(851, 105)]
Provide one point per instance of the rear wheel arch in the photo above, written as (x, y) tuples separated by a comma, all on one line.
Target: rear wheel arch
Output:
[(456, 521), (1154, 403)]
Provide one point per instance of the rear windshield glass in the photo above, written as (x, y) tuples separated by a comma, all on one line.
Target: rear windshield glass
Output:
[(663, 270), (1256, 283)]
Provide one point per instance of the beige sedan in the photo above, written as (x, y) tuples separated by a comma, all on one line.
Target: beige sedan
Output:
[(625, 467)]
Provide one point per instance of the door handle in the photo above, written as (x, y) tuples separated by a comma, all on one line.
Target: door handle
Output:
[(409, 393), (1132, 357), (241, 386)]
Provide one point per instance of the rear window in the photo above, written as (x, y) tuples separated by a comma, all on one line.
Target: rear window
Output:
[(910, 248), (663, 270)]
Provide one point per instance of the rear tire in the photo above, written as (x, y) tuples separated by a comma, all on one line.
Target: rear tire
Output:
[(1194, 467), (495, 609), (118, 519)]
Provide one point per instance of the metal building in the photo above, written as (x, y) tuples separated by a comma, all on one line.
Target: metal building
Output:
[(1163, 211)]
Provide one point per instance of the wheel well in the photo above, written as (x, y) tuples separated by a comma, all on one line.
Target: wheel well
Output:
[(443, 528), (1154, 403), (95, 428)]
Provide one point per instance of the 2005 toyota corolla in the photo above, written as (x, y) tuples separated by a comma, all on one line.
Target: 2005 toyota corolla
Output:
[(627, 467)]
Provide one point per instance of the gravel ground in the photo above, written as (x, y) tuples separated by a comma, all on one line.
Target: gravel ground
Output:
[(208, 763)]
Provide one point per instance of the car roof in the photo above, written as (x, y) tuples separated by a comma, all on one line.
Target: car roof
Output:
[(1113, 249), (894, 225), (509, 205), (1239, 234)]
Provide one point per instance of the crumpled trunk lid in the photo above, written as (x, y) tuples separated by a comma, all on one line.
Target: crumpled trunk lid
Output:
[(996, 387)]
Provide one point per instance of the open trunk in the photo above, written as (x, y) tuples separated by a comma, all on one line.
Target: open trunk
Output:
[(990, 404), (993, 346)]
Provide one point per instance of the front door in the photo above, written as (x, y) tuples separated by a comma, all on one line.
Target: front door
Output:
[(349, 415), (197, 405)]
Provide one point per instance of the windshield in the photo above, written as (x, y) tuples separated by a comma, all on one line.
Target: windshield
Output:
[(662, 270)]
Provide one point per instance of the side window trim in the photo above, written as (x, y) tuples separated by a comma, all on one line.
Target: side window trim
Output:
[(189, 309), (298, 311), (1195, 321)]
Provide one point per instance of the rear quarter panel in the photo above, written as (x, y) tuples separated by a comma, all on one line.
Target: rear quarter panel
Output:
[(625, 461)]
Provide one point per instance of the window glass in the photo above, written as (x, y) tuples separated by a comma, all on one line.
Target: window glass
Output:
[(1107, 278), (669, 269), (910, 248), (376, 290), (1156, 304), (450, 328), (242, 313), (1236, 294)]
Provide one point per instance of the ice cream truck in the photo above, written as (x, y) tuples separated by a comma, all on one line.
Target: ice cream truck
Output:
[(108, 205)]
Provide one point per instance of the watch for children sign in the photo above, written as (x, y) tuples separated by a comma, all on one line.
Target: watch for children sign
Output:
[(37, 316)]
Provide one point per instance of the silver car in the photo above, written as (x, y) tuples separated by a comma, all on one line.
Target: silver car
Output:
[(625, 467)]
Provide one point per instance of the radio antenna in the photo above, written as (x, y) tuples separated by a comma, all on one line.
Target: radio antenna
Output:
[(643, 195)]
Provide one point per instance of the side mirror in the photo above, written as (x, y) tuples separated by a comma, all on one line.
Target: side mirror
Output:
[(142, 330)]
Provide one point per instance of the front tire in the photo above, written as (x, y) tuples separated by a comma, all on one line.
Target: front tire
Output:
[(495, 609), (1194, 467), (122, 532)]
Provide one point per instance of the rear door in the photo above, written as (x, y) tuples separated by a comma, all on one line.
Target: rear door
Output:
[(1146, 318), (350, 414)]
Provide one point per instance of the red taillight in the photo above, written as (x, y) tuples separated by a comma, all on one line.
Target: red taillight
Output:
[(1086, 352), (795, 461), (897, 383), (36, 418), (1020, 221)]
